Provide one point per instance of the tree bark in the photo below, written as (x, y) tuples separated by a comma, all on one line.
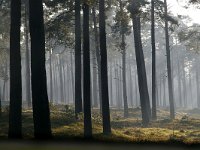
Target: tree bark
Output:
[(86, 81), (15, 111), (41, 114), (104, 72), (78, 68)]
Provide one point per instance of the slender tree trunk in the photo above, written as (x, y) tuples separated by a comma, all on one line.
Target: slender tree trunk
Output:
[(169, 73), (94, 89), (61, 79), (154, 114), (124, 79), (78, 68), (28, 81), (98, 56), (86, 81), (15, 111), (104, 72), (179, 83), (117, 88), (72, 75), (131, 86), (41, 114), (111, 85), (51, 76)]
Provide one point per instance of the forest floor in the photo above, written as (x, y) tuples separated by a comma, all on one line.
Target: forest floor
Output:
[(185, 129)]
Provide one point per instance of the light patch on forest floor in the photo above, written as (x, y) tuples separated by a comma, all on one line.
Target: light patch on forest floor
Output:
[(185, 128)]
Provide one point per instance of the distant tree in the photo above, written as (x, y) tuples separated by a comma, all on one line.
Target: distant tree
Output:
[(15, 111), (41, 114), (104, 69), (122, 27)]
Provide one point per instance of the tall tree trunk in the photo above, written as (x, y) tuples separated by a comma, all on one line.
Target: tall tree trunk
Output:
[(86, 81), (78, 72), (15, 111), (169, 73), (28, 81), (142, 79), (98, 56), (104, 72), (154, 114), (41, 114)]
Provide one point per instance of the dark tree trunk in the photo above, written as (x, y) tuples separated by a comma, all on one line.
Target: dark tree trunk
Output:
[(28, 81), (104, 72), (94, 83), (86, 80), (41, 114), (169, 73), (124, 77), (15, 111), (142, 79), (154, 114), (78, 74)]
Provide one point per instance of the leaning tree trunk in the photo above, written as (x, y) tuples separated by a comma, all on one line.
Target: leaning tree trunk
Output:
[(78, 74), (41, 114), (15, 111), (142, 79), (169, 72), (86, 80), (104, 69)]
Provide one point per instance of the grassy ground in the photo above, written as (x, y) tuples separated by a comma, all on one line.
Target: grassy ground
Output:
[(185, 128)]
